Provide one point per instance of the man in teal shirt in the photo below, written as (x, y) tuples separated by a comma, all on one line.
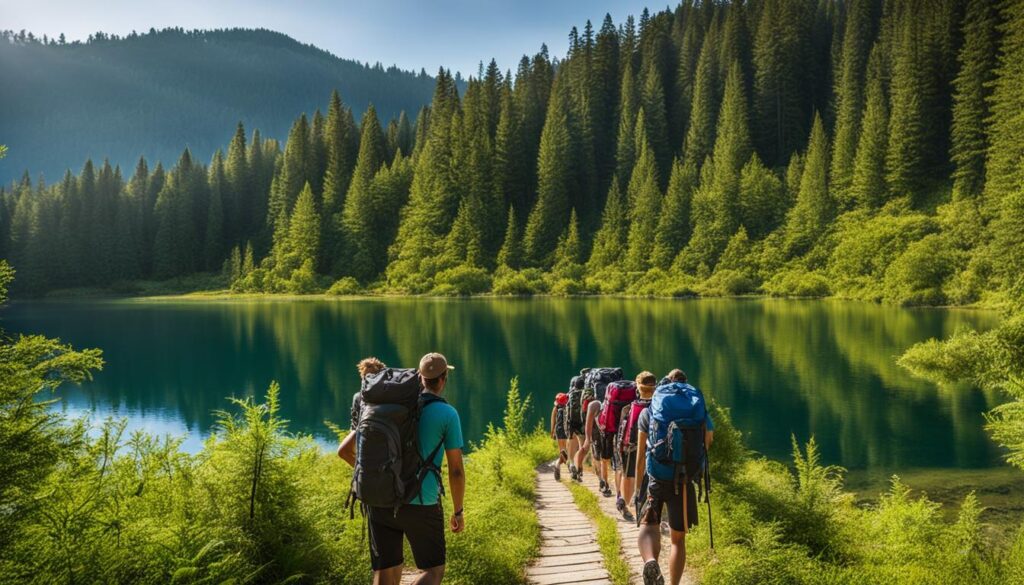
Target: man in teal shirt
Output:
[(422, 520)]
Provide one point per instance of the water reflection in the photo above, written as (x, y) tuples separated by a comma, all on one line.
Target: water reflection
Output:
[(785, 367)]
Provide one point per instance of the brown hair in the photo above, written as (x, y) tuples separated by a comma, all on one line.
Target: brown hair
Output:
[(677, 375), (646, 378), (433, 384), (370, 365)]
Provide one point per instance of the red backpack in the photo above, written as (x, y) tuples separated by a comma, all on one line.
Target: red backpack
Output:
[(618, 395), (630, 416)]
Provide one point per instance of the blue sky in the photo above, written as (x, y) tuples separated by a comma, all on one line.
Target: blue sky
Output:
[(408, 33)]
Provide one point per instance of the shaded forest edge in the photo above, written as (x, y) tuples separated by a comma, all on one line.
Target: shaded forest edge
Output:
[(263, 504), (861, 150)]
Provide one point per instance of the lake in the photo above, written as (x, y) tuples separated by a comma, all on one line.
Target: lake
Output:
[(784, 368)]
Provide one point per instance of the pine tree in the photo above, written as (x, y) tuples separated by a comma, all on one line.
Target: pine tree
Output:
[(341, 158), (644, 202), (510, 166), (625, 156), (814, 207), (656, 121), (568, 252), (673, 226), (763, 200), (781, 107), (905, 157), (304, 229), (511, 253), (611, 237), (604, 96), (868, 187), (700, 133), (973, 89), (857, 38), (237, 196), (214, 243), (1003, 175), (292, 176), (316, 163), (715, 204), (555, 171), (689, 52)]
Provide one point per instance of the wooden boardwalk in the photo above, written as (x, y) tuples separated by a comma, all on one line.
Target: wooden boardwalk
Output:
[(628, 533), (569, 551)]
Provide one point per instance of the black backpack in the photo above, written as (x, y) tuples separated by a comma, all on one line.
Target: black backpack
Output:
[(389, 470), (599, 378)]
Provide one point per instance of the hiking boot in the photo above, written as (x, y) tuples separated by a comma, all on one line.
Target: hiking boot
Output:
[(558, 473), (627, 515), (652, 573), (620, 504), (607, 491)]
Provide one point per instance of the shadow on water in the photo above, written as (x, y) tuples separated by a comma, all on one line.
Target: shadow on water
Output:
[(785, 368)]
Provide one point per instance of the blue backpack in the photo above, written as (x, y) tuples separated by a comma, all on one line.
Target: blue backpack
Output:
[(675, 440)]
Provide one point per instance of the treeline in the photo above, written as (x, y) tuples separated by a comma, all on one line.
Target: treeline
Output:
[(866, 149), (152, 93)]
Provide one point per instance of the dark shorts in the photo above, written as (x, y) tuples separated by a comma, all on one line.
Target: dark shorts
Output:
[(576, 431), (422, 525), (661, 494), (602, 447), (560, 432)]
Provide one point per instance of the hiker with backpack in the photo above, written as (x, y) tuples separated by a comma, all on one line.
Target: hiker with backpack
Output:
[(600, 448), (626, 440), (575, 423), (676, 431), (618, 396), (395, 450), (559, 431)]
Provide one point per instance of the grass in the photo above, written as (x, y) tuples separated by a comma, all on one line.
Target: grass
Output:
[(607, 533)]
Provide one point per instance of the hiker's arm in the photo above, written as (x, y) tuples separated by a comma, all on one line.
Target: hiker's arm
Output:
[(588, 428), (709, 437), (457, 481), (553, 411), (709, 430), (347, 449)]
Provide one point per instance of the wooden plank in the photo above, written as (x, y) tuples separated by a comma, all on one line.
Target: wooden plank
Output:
[(569, 577), (584, 566)]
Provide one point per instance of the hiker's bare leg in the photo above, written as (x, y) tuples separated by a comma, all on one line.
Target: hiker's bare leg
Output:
[(389, 576), (649, 542), (628, 485), (431, 576), (561, 452), (573, 445), (677, 558)]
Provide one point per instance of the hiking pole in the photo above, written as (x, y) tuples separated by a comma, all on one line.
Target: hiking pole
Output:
[(707, 496)]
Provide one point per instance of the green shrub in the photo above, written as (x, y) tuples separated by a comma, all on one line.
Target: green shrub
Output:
[(662, 283), (462, 281), (916, 277), (798, 282), (728, 282), (344, 286), (610, 280), (528, 281)]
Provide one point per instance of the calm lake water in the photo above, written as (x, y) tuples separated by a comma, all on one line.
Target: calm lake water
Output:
[(802, 368)]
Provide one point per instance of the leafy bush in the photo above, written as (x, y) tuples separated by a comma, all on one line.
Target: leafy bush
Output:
[(728, 282), (661, 283), (916, 277), (798, 282), (462, 281), (528, 281), (344, 287)]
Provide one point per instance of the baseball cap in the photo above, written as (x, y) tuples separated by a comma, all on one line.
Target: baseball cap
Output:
[(433, 365)]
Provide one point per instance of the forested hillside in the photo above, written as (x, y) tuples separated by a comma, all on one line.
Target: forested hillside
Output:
[(151, 94), (866, 149)]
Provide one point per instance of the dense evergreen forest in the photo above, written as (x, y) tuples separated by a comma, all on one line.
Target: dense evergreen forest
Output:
[(865, 149), (151, 94)]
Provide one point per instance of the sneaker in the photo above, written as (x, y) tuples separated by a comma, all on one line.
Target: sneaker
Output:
[(606, 491), (652, 573), (628, 515), (620, 504), (558, 473)]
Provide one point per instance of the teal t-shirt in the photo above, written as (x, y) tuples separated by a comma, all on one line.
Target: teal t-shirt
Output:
[(439, 422)]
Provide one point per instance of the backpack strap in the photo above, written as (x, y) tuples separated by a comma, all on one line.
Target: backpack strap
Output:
[(428, 466)]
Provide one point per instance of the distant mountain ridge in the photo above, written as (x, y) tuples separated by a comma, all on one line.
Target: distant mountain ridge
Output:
[(153, 94)]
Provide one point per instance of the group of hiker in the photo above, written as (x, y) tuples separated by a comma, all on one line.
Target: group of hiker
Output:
[(646, 430), (655, 431)]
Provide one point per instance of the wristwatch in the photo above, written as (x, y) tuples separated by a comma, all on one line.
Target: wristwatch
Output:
[(459, 512)]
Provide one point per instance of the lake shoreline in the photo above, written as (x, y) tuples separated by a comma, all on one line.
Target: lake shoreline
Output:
[(225, 295)]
